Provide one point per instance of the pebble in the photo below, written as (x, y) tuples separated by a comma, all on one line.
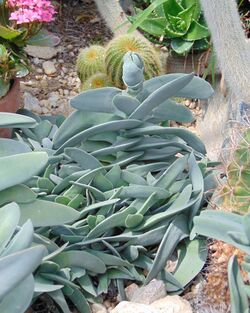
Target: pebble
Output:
[(155, 290), (61, 61), (71, 54), (70, 47), (39, 70), (36, 61), (49, 67), (45, 53), (32, 103)]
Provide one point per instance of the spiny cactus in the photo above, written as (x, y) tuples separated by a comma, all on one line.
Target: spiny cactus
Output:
[(98, 80), (236, 192), (90, 61), (119, 46)]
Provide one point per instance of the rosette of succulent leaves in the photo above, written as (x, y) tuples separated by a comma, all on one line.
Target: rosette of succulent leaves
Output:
[(118, 194), (178, 24)]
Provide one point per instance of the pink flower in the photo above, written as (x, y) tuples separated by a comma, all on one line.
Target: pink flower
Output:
[(28, 11)]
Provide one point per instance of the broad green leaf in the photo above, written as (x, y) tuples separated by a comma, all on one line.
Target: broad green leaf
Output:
[(46, 213), (176, 232), (10, 215), (10, 147), (196, 32), (181, 46), (81, 259), (96, 100), (158, 96), (59, 299), (43, 38), (43, 285), (197, 88), (18, 194), (18, 266), (12, 120), (22, 240), (95, 130), (19, 298), (16, 169), (84, 159), (9, 33)]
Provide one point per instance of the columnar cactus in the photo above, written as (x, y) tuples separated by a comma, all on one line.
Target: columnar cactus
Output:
[(98, 80), (236, 192), (90, 61), (119, 46)]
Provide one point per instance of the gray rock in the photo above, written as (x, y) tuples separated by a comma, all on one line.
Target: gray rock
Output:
[(130, 307), (147, 294), (45, 53), (49, 68), (172, 304), (130, 290), (98, 308), (31, 103)]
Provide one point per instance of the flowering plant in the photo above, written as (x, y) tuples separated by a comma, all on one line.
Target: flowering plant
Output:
[(21, 24)]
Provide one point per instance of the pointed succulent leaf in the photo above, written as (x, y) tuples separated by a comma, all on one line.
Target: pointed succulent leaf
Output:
[(160, 95)]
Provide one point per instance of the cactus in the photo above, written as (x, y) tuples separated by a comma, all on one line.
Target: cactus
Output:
[(236, 193), (90, 61), (119, 46), (98, 80)]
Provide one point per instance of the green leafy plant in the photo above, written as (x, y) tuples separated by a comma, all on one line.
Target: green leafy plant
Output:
[(178, 24), (21, 25), (236, 191), (233, 229), (17, 261), (129, 186)]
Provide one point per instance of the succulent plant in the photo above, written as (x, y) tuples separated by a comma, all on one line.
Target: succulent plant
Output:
[(90, 61), (119, 46), (98, 80), (118, 192), (179, 24), (236, 192), (233, 229)]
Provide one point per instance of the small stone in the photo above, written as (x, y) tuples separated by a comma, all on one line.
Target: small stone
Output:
[(65, 70), (66, 92), (61, 61), (70, 47), (172, 304), (107, 304), (155, 290), (36, 61), (71, 54), (98, 308), (32, 103), (49, 68), (39, 70), (130, 307), (187, 103), (45, 110), (45, 53), (130, 290)]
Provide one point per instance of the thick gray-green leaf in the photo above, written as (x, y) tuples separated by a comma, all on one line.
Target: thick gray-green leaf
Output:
[(18, 299), (97, 100), (176, 232), (238, 295), (18, 193), (17, 267), (10, 147), (16, 169), (12, 120), (197, 88), (10, 215), (47, 213), (159, 95)]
